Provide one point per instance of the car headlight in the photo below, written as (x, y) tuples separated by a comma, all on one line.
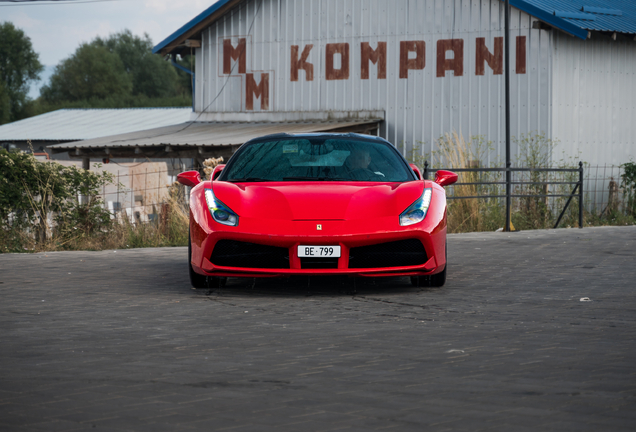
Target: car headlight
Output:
[(416, 212), (219, 211)]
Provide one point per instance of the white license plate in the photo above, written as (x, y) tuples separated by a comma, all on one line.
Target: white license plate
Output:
[(319, 251)]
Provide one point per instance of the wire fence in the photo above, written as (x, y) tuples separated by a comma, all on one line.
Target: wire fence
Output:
[(140, 191), (602, 190)]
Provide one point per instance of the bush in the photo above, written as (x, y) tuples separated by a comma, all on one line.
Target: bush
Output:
[(42, 202)]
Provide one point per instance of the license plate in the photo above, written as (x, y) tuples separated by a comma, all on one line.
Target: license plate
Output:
[(319, 251)]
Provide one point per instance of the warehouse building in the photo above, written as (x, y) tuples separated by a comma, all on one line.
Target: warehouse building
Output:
[(408, 70)]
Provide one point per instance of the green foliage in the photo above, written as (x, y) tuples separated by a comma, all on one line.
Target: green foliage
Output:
[(92, 72), (115, 72), (628, 183), (151, 75), (33, 195), (19, 65)]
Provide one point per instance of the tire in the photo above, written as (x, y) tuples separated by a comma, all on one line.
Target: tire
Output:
[(201, 281), (436, 280), (439, 279)]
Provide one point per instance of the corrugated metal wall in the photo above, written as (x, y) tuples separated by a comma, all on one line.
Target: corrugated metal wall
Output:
[(594, 112), (418, 109)]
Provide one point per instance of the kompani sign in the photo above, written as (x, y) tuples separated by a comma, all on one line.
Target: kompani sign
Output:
[(412, 57)]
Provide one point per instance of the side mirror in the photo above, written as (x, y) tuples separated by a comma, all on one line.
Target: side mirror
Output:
[(445, 178), (417, 171), (217, 172), (189, 178)]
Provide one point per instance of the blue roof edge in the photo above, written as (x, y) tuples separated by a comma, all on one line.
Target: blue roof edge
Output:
[(190, 24), (539, 13), (549, 18)]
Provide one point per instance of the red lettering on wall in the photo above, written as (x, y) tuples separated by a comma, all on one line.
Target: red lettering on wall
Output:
[(456, 64), (494, 60), (406, 63), (302, 63), (230, 53), (521, 55), (377, 57), (256, 90), (337, 74)]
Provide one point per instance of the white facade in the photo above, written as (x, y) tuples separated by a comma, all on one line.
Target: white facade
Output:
[(594, 99), (312, 55)]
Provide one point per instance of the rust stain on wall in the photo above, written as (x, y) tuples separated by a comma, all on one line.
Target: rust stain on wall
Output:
[(456, 64), (483, 55), (377, 57), (521, 55), (256, 90), (417, 63), (230, 53), (302, 63), (330, 72)]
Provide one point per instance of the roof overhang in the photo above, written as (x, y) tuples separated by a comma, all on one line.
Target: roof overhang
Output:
[(550, 18), (203, 139), (543, 11), (176, 42)]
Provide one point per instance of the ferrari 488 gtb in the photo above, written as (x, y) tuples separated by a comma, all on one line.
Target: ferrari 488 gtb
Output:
[(317, 204)]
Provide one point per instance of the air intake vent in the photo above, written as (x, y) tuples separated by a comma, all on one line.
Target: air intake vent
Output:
[(400, 253), (231, 253)]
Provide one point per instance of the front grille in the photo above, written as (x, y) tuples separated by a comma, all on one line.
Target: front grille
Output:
[(399, 253), (318, 263), (231, 253)]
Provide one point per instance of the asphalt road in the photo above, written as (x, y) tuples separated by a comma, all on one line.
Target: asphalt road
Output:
[(118, 341)]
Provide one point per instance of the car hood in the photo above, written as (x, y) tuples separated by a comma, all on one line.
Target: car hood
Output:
[(318, 200)]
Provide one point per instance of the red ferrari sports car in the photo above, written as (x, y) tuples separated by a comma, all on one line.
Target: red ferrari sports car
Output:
[(317, 204)]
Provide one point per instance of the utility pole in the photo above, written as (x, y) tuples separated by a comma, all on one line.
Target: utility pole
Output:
[(507, 91)]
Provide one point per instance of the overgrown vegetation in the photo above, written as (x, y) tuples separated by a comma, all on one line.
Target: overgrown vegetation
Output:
[(533, 212), (47, 206)]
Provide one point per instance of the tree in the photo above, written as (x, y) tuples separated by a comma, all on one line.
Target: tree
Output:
[(119, 70), (19, 65), (93, 72), (151, 76)]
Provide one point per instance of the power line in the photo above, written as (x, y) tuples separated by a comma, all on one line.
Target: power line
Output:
[(9, 3)]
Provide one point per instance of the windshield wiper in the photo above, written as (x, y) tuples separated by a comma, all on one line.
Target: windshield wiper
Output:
[(249, 179), (315, 178)]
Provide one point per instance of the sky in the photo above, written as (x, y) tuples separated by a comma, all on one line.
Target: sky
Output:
[(57, 29)]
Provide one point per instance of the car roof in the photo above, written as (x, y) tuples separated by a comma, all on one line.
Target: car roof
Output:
[(324, 135)]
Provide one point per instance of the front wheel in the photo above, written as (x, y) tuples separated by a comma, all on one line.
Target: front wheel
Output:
[(201, 281), (436, 280)]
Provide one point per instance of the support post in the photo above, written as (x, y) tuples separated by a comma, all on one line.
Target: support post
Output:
[(580, 194), (507, 109)]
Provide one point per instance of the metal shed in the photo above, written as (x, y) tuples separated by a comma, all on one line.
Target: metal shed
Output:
[(66, 125), (432, 66)]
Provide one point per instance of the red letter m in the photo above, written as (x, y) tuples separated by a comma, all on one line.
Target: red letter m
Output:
[(256, 90), (230, 53)]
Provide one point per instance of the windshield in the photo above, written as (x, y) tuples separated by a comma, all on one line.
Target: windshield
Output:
[(317, 159)]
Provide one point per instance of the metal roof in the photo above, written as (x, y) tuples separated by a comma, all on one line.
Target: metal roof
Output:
[(83, 124), (576, 17), (197, 134), (583, 15), (195, 25)]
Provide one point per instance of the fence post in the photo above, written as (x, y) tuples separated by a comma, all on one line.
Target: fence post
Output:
[(425, 173), (580, 194)]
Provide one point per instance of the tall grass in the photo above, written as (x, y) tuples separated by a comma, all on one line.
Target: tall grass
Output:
[(488, 214)]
